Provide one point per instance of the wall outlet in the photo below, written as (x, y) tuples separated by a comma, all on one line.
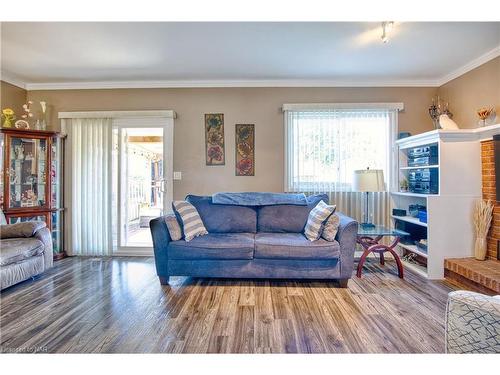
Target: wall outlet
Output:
[(177, 175)]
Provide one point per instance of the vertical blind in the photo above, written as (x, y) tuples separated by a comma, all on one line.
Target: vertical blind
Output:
[(90, 143), (323, 147)]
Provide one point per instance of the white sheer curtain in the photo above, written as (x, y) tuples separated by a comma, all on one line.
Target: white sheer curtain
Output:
[(90, 147), (323, 147)]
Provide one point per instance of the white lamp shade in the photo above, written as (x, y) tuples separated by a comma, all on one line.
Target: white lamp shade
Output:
[(368, 180)]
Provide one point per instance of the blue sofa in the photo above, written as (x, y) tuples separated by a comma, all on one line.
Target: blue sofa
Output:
[(255, 242)]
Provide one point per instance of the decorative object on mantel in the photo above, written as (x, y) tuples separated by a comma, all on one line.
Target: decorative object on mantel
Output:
[(483, 212), (245, 149), (8, 117), (437, 109), (447, 123), (214, 139), (485, 113), (24, 123)]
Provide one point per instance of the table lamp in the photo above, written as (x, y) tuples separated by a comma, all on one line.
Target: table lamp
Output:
[(368, 180)]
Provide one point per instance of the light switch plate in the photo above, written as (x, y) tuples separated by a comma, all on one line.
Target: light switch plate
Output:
[(177, 175)]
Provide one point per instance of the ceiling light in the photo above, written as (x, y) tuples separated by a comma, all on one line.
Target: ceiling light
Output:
[(387, 28)]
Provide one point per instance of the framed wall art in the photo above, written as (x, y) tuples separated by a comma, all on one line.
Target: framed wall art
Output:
[(214, 139), (245, 149)]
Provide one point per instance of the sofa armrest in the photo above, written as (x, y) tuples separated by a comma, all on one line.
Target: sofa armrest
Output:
[(20, 230), (346, 236), (472, 323), (161, 239), (43, 234)]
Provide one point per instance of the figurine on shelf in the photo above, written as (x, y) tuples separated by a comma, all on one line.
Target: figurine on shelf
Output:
[(19, 151), (8, 117), (14, 178), (28, 199), (438, 109), (24, 123)]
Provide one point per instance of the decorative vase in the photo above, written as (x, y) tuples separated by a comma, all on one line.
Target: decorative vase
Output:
[(7, 123), (480, 248)]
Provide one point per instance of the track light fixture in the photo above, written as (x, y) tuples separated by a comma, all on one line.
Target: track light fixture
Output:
[(387, 28)]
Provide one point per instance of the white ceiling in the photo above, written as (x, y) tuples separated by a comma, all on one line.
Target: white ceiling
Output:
[(45, 55)]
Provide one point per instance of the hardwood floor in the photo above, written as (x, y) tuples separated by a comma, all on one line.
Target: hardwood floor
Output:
[(117, 305)]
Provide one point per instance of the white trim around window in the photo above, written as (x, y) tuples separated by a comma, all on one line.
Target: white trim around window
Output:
[(344, 106), (118, 114)]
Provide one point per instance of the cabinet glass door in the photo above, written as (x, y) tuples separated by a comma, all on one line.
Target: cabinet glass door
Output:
[(2, 150), (13, 219), (27, 174), (55, 173)]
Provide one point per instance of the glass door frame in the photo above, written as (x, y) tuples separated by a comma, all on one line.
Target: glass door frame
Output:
[(168, 131)]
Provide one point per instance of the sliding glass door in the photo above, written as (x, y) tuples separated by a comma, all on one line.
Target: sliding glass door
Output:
[(140, 186), (118, 168)]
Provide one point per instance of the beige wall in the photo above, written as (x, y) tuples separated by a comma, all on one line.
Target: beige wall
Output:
[(259, 106), (475, 89), (12, 97)]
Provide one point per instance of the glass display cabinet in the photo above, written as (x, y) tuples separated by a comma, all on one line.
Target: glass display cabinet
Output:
[(31, 184)]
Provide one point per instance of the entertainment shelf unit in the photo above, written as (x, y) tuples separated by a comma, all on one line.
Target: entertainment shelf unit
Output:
[(449, 229)]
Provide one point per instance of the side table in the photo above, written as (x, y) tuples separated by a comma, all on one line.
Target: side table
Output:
[(369, 238)]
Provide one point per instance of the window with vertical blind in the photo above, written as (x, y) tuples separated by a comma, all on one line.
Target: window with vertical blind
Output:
[(325, 145)]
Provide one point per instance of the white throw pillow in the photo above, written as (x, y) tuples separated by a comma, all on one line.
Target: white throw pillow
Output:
[(192, 225), (331, 227), (174, 228), (317, 217)]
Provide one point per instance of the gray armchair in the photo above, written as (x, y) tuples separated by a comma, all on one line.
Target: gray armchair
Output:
[(472, 323), (25, 251)]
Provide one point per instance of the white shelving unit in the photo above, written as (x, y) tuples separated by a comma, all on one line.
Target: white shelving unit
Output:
[(410, 219), (449, 229)]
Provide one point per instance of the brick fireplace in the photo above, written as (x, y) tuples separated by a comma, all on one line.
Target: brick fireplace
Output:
[(489, 192), (482, 276)]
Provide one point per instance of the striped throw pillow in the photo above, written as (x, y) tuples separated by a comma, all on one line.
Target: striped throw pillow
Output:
[(315, 221), (192, 225), (331, 227)]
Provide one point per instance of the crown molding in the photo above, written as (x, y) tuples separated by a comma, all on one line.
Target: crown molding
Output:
[(225, 83), (490, 55), (99, 85), (12, 79)]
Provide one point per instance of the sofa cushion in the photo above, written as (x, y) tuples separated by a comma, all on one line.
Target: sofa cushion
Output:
[(293, 246), (220, 218), (15, 250), (214, 246), (286, 218)]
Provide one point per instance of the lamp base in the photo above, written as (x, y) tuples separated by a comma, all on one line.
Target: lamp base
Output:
[(367, 225)]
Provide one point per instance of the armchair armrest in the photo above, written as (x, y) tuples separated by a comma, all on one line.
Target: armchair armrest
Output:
[(161, 239), (472, 323), (346, 236), (36, 229), (20, 230), (43, 234)]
